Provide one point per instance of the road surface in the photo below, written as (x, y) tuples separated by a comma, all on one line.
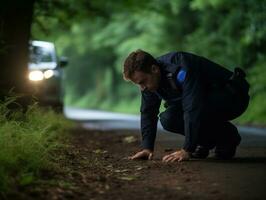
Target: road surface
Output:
[(102, 120), (241, 178)]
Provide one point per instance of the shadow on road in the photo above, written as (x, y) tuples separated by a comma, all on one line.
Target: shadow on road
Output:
[(242, 160)]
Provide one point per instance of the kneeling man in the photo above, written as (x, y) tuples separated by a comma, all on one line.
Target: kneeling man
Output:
[(200, 96)]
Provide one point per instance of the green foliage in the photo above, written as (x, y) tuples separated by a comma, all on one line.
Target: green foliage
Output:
[(231, 33), (256, 112), (27, 141)]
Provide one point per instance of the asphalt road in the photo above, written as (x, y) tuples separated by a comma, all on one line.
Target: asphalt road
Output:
[(101, 120)]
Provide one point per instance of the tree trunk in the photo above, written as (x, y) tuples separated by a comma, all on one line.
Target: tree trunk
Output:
[(15, 28)]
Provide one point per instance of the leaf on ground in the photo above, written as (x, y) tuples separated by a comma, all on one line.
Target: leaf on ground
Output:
[(179, 188), (130, 139), (121, 171), (127, 178), (140, 168), (99, 151)]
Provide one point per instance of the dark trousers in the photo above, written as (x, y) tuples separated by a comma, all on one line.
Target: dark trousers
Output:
[(219, 107)]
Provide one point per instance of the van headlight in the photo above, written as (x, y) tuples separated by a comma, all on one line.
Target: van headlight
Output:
[(39, 75), (36, 75), (48, 73)]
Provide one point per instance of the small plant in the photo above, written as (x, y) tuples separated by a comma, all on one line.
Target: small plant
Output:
[(27, 142)]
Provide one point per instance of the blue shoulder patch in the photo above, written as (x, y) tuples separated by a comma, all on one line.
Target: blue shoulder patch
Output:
[(181, 76)]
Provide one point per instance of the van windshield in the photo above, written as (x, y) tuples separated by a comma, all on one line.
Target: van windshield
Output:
[(40, 54)]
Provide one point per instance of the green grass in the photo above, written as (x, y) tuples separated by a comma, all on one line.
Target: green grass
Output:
[(27, 141)]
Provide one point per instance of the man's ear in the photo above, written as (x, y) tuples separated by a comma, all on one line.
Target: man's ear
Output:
[(154, 69)]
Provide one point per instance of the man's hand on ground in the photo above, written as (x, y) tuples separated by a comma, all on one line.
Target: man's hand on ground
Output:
[(180, 155), (145, 154)]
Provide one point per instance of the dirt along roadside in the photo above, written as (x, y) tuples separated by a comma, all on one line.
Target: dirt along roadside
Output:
[(94, 166)]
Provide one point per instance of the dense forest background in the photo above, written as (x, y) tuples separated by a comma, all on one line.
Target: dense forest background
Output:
[(96, 36)]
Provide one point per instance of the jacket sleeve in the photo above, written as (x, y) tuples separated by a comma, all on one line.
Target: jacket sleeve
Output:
[(150, 104), (192, 102)]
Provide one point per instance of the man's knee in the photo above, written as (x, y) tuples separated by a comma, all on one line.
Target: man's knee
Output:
[(164, 119), (172, 123)]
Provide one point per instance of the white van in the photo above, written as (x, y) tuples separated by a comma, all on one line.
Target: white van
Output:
[(46, 73)]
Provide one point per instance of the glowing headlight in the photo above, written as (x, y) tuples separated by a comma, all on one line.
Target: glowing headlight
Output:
[(36, 76), (48, 73)]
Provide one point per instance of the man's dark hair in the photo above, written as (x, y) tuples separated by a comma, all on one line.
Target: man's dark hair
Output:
[(138, 61)]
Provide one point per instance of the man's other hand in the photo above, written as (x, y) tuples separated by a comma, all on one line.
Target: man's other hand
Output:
[(145, 154), (179, 156)]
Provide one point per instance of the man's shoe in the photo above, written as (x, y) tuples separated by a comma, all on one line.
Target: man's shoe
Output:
[(201, 152), (228, 150)]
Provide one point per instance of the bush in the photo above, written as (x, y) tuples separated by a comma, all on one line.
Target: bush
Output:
[(27, 140)]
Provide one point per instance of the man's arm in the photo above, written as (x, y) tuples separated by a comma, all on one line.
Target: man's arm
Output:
[(150, 104), (189, 79), (192, 101)]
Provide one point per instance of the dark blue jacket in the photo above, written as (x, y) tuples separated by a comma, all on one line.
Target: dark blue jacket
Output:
[(197, 75)]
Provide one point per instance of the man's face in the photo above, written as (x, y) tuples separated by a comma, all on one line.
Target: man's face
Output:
[(147, 81)]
